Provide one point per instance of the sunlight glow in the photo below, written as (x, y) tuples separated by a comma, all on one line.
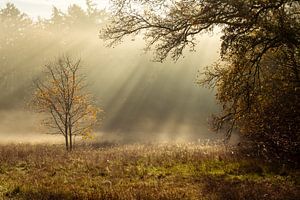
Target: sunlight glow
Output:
[(42, 8), (139, 97)]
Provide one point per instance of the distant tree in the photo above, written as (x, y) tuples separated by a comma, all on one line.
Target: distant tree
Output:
[(91, 7), (14, 26), (76, 16), (57, 20), (69, 109), (259, 64), (79, 18)]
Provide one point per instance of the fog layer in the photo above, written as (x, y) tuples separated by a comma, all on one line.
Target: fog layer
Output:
[(142, 100)]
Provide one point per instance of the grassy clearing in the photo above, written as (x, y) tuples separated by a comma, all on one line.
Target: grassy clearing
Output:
[(169, 171)]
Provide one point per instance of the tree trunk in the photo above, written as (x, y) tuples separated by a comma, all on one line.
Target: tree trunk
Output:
[(74, 140), (70, 139), (66, 133), (67, 143), (70, 134)]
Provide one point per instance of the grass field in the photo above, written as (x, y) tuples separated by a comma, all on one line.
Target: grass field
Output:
[(165, 171)]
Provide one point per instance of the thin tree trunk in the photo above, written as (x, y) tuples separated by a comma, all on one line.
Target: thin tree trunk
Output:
[(70, 134), (74, 140), (67, 143), (66, 132), (70, 138)]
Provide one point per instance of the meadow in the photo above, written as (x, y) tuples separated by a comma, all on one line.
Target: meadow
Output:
[(141, 171)]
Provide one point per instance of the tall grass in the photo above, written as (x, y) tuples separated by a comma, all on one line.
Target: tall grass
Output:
[(140, 171)]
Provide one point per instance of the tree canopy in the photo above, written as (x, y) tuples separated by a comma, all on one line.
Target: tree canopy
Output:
[(69, 109), (257, 77), (177, 23)]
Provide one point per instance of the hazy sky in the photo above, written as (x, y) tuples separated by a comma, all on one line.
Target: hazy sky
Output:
[(35, 8)]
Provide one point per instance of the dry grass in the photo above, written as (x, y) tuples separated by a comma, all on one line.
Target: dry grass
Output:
[(166, 171)]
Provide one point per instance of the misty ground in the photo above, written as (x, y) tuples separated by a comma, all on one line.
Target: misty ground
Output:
[(141, 171), (23, 126)]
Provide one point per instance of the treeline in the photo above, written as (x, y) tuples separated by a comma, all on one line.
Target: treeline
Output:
[(25, 44)]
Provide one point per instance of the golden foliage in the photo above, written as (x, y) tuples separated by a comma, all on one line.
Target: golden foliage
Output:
[(62, 96)]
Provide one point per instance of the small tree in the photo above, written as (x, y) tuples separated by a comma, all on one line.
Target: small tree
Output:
[(68, 108)]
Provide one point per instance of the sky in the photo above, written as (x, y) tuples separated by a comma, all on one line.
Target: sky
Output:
[(42, 8)]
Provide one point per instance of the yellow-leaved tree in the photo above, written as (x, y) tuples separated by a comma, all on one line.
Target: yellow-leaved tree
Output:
[(61, 96)]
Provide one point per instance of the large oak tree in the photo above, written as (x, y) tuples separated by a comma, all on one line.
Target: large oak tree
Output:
[(257, 78)]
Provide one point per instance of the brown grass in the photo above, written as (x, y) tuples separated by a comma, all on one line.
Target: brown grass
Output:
[(165, 171)]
